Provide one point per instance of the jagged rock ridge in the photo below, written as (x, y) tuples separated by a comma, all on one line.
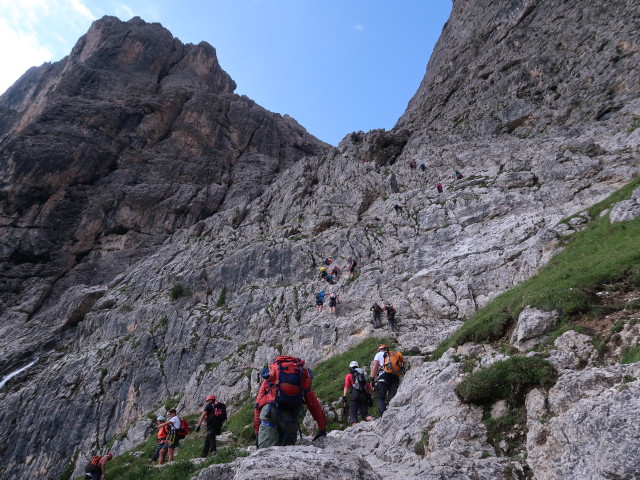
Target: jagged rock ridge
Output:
[(438, 261)]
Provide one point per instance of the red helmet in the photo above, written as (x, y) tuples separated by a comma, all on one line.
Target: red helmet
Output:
[(110, 455), (381, 347), (210, 398)]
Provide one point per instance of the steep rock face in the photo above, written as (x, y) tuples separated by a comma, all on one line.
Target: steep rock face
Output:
[(527, 67), (104, 154), (248, 274)]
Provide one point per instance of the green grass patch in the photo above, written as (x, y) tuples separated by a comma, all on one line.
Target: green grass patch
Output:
[(222, 298), (420, 448), (503, 429), (600, 254), (506, 380), (328, 376), (630, 355), (240, 423)]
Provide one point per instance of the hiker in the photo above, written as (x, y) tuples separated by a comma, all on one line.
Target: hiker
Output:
[(214, 415), (284, 390), (162, 438), (333, 301), (412, 165), (439, 187), (327, 261), (398, 208), (391, 316), (174, 423), (336, 272), (319, 300), (360, 400), (388, 366), (323, 273), (423, 167), (351, 265), (95, 468), (458, 175), (377, 311)]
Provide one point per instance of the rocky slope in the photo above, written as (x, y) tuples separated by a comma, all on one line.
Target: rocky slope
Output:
[(105, 154), (233, 285)]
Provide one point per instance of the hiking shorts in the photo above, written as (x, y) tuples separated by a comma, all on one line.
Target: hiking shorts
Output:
[(319, 302), (171, 444)]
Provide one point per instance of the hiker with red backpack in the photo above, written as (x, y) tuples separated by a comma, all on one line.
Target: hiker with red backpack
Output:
[(95, 468), (178, 428), (388, 366), (215, 413), (360, 400), (285, 389)]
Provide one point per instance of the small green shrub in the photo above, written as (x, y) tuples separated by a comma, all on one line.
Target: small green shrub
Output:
[(630, 355), (420, 448), (125, 309), (176, 292), (506, 380), (503, 429), (222, 298)]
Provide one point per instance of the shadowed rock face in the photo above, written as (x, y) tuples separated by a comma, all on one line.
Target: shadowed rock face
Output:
[(176, 208), (130, 138)]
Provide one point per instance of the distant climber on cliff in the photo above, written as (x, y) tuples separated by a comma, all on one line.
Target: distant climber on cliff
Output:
[(336, 272), (388, 366), (398, 208), (377, 313), (351, 266), (323, 273), (285, 389), (412, 165), (95, 468), (458, 175), (333, 301), (360, 400), (214, 415), (328, 261), (439, 187), (319, 300), (423, 167), (391, 315), (163, 432)]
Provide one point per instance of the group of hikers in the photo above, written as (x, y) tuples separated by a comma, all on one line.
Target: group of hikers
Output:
[(457, 175), (330, 273), (287, 385)]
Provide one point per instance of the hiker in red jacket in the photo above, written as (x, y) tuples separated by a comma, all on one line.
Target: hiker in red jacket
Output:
[(284, 390)]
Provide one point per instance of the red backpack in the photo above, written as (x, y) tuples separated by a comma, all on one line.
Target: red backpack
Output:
[(289, 380), (183, 431)]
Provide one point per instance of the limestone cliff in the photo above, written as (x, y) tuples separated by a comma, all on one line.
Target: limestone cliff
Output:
[(196, 296)]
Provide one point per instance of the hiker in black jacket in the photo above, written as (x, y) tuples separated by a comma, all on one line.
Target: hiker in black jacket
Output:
[(215, 413)]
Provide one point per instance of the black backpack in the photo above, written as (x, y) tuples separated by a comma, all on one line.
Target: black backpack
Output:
[(359, 379), (217, 417)]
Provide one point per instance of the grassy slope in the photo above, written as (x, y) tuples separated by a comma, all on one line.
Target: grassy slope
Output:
[(599, 254)]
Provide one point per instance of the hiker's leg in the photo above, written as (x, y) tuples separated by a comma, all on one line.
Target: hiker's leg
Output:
[(288, 427), (205, 448), (268, 435), (364, 409), (212, 440), (353, 410), (393, 387), (163, 452), (381, 393), (171, 452)]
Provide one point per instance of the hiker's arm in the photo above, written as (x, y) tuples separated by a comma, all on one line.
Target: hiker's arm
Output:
[(256, 409), (316, 410), (202, 418), (376, 367)]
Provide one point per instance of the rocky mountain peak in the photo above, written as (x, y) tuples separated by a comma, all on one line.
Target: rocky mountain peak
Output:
[(161, 238)]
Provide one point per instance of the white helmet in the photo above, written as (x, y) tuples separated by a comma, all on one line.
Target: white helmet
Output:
[(161, 418), (354, 364)]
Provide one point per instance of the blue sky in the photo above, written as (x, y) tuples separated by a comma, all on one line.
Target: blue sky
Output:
[(336, 66)]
